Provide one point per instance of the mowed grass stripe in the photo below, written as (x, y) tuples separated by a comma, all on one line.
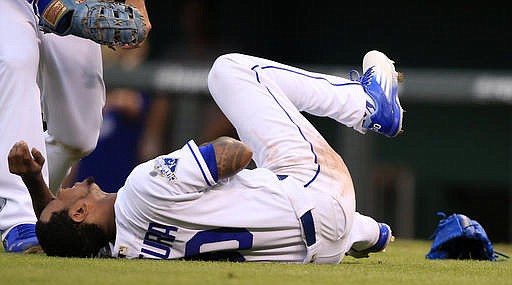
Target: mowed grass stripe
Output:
[(403, 263)]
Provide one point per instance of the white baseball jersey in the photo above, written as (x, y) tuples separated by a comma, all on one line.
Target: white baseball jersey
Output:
[(171, 207)]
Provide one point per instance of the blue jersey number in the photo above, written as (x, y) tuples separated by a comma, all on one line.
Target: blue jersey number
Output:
[(242, 236), (159, 239)]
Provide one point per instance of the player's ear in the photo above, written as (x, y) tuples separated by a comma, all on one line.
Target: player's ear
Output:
[(79, 211)]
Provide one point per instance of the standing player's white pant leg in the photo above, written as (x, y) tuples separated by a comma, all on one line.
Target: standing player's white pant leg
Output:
[(73, 97), (20, 115)]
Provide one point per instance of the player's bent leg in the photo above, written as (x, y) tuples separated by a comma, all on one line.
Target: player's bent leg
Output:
[(367, 102), (318, 94), (265, 119)]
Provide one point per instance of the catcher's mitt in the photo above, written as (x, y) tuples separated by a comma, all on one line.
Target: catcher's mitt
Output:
[(105, 22), (459, 237)]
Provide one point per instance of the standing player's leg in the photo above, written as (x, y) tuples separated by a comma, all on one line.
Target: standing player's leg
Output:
[(20, 119), (73, 97)]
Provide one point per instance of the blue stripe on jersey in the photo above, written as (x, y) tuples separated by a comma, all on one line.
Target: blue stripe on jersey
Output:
[(288, 115), (309, 76), (257, 75), (199, 164), (208, 154)]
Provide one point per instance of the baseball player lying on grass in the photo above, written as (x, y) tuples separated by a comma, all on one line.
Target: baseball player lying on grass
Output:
[(199, 202)]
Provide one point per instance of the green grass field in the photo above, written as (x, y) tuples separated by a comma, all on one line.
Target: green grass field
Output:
[(403, 263)]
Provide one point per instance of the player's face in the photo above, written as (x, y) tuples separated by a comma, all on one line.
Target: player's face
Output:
[(66, 197)]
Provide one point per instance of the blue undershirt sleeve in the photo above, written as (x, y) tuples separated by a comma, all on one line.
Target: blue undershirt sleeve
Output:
[(208, 154), (55, 10), (42, 5)]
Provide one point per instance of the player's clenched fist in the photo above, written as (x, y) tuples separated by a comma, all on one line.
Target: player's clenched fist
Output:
[(23, 162)]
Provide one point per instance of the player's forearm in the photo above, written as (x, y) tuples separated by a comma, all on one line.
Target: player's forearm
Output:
[(39, 192), (28, 165), (231, 156)]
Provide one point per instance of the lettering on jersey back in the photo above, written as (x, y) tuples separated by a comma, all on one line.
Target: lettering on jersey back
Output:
[(158, 240)]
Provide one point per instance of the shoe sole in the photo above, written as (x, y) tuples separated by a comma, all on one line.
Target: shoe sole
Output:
[(34, 250), (388, 64)]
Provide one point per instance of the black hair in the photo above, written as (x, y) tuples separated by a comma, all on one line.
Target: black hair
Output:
[(61, 236)]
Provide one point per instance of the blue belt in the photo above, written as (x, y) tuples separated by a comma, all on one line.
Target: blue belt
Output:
[(308, 226)]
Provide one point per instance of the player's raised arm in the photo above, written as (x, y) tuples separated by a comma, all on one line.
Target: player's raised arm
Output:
[(28, 165), (231, 155)]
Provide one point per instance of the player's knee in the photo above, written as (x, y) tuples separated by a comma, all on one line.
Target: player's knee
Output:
[(222, 69), (83, 149), (76, 149)]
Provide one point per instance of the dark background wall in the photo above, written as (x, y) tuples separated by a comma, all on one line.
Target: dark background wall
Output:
[(453, 34)]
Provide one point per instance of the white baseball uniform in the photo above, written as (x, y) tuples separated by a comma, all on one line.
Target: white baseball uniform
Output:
[(297, 206), (61, 74)]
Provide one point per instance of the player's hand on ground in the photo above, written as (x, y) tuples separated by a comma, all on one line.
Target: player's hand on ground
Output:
[(23, 162)]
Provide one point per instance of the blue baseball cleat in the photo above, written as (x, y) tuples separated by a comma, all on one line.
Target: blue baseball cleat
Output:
[(380, 81), (385, 237), (22, 238)]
